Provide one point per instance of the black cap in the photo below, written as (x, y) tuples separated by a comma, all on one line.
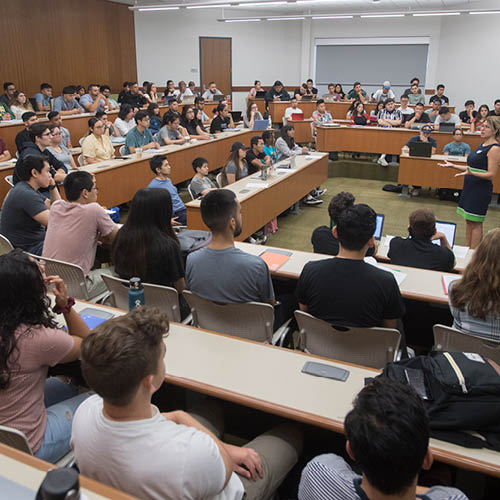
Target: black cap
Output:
[(238, 145)]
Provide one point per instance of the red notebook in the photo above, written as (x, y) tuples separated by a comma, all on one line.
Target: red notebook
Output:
[(275, 258)]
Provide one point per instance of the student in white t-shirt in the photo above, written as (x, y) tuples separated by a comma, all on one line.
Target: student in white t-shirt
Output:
[(293, 108), (121, 439)]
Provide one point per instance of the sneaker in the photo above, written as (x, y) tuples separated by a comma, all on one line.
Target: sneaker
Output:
[(382, 161), (261, 240), (320, 192), (310, 200), (415, 192)]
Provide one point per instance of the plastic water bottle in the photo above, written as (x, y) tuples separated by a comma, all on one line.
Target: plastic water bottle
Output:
[(61, 484), (135, 294)]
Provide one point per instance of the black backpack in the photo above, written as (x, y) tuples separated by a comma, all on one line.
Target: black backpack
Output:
[(461, 392)]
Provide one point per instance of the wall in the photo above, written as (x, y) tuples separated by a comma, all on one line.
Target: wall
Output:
[(65, 42)]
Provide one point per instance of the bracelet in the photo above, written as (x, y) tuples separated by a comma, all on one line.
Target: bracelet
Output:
[(66, 309), (53, 186)]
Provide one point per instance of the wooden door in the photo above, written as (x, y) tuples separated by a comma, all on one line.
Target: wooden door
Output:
[(215, 63)]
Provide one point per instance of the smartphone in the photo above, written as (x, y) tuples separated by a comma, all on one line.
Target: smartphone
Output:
[(94, 317), (327, 371)]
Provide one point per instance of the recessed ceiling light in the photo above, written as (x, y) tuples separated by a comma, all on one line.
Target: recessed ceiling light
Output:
[(260, 4), (382, 15), (146, 9), (485, 12), (332, 17), (285, 18), (241, 20), (208, 6), (429, 14)]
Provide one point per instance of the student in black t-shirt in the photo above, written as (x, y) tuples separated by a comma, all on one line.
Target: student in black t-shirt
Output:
[(419, 117), (223, 120), (469, 114), (424, 136), (193, 127), (255, 157), (418, 250), (439, 96), (495, 111), (345, 290), (29, 118)]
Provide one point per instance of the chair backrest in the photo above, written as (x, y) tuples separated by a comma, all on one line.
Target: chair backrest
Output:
[(190, 191), (218, 179), (163, 297), (81, 160), (5, 245), (9, 181), (14, 438), (373, 347), (451, 339), (73, 276), (122, 150), (250, 320), (80, 141)]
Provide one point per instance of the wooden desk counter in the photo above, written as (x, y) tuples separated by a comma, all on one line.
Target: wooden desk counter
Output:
[(379, 140), (280, 191), (303, 130)]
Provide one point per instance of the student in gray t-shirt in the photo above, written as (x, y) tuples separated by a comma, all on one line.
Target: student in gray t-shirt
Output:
[(171, 132), (201, 184)]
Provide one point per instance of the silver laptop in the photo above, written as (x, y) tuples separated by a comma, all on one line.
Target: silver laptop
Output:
[(188, 99)]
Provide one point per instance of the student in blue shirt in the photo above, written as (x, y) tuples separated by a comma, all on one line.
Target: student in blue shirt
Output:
[(161, 168), (457, 147), (269, 149), (140, 136), (43, 97)]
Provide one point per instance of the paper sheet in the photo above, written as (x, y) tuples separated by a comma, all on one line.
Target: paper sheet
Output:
[(446, 280), (397, 274), (460, 251), (256, 185), (387, 240)]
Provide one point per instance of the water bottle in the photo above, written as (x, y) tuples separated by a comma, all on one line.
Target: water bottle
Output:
[(61, 484), (270, 122), (135, 294)]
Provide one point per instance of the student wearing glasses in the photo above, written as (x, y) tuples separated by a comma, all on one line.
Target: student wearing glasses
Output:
[(59, 149), (140, 136), (97, 145), (190, 123)]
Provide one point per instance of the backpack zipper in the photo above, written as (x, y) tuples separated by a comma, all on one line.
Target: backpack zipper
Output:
[(458, 372)]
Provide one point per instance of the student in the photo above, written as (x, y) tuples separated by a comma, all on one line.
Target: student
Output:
[(257, 87), (77, 226), (236, 168), (439, 96), (340, 91), (44, 97), (424, 136), (173, 107), (182, 91), (404, 109), (106, 93), (277, 93), (285, 144), (252, 114), (4, 152), (20, 104), (171, 132), (192, 127), (363, 295), (388, 437), (384, 93), (496, 109), (388, 117), (169, 89), (418, 118), (125, 90), (29, 118), (155, 119), (187, 460), (134, 97), (25, 211), (413, 81), (255, 157), (269, 149), (192, 88), (5, 112), (94, 100), (66, 103), (211, 91), (79, 92), (469, 114), (55, 118), (59, 150), (434, 111), (9, 89), (356, 93), (109, 129), (478, 122), (418, 250), (446, 116), (40, 407), (151, 94), (201, 183), (125, 122), (415, 96), (140, 136), (310, 88), (373, 113), (97, 146), (321, 115), (223, 120), (359, 115), (292, 109), (161, 168), (474, 301), (457, 147), (332, 93), (199, 103), (299, 92)]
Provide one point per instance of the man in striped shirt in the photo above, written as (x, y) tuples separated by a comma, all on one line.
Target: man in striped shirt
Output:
[(388, 436)]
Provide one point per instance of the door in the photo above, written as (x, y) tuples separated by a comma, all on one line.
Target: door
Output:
[(215, 63)]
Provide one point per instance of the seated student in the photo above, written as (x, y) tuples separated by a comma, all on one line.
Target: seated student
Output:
[(269, 149), (80, 91), (446, 116), (468, 115), (125, 122), (384, 93), (171, 132), (300, 91), (9, 90), (66, 103), (151, 93), (199, 103), (94, 100), (44, 97), (415, 96), (23, 137), (192, 127), (223, 120), (182, 91), (285, 144), (113, 430), (55, 118), (359, 116), (439, 96), (478, 122), (363, 295), (457, 147), (109, 129), (40, 407), (155, 119), (146, 246), (257, 87), (321, 115), (173, 107), (473, 299), (140, 136), (211, 91), (236, 167), (434, 111), (97, 146), (418, 118), (418, 250), (388, 437), (424, 136), (201, 183), (322, 238), (169, 89), (59, 150), (332, 93), (413, 81), (389, 116), (4, 152), (310, 88), (277, 93), (19, 104), (192, 88), (161, 168), (255, 157), (134, 97), (496, 109), (25, 211), (252, 114), (77, 226), (125, 90), (356, 93), (373, 113), (105, 90), (6, 113), (292, 109), (405, 110)]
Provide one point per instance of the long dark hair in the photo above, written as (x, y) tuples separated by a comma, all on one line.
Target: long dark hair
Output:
[(24, 302), (235, 158), (290, 141), (151, 110), (145, 232), (125, 109)]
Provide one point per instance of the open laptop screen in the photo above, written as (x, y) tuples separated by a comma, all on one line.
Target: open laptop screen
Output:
[(379, 227)]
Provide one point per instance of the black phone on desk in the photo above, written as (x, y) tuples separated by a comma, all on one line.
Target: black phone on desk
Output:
[(324, 370)]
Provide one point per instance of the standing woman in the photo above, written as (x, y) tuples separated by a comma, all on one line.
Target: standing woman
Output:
[(151, 94), (285, 144), (478, 122), (97, 146), (481, 169), (236, 167), (251, 115)]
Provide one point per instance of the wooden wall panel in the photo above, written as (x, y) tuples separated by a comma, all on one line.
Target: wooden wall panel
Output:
[(215, 63), (65, 42)]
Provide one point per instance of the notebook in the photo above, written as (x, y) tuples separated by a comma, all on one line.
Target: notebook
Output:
[(275, 258)]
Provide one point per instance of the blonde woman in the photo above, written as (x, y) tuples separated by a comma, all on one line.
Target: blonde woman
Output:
[(20, 104)]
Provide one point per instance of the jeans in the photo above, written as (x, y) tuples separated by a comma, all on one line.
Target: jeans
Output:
[(36, 249), (181, 214), (61, 401)]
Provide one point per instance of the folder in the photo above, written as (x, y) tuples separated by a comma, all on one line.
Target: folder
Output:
[(275, 258)]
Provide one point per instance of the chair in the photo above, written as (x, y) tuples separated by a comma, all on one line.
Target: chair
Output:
[(451, 339), (81, 160), (9, 181), (372, 347), (163, 297), (16, 439), (80, 141), (5, 245), (122, 150), (218, 179), (190, 191)]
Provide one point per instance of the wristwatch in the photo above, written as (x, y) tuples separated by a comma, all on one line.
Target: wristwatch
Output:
[(66, 309)]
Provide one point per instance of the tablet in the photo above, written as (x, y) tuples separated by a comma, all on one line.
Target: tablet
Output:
[(448, 229)]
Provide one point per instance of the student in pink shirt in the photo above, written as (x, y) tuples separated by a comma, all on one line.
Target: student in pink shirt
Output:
[(30, 342)]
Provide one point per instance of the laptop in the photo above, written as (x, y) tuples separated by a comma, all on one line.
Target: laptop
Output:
[(188, 99), (423, 149), (297, 116), (236, 116), (306, 98), (379, 226), (260, 124), (449, 229), (447, 127), (260, 94), (328, 98), (218, 98)]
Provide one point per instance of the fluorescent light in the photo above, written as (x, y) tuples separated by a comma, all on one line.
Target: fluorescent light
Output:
[(285, 18), (260, 4), (383, 15), (437, 14), (157, 8), (485, 12), (241, 20), (332, 17), (208, 6)]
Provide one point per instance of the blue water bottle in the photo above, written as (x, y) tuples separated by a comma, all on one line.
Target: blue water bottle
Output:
[(135, 293)]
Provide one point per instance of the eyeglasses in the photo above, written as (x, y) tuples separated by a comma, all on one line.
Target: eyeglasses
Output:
[(47, 134)]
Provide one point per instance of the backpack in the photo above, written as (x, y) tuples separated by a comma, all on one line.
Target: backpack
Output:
[(192, 240), (461, 392)]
